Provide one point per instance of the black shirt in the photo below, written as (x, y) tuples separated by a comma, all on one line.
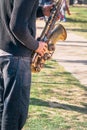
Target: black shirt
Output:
[(17, 26)]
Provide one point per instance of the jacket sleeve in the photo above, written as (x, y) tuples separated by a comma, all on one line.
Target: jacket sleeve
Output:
[(19, 23)]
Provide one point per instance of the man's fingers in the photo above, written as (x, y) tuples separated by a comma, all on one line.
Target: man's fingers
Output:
[(45, 49)]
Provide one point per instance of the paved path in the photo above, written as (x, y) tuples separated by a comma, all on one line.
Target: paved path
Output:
[(72, 55)]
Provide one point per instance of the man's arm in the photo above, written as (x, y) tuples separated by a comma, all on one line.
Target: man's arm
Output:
[(19, 23)]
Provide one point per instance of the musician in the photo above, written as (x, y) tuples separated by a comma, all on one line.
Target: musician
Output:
[(17, 41)]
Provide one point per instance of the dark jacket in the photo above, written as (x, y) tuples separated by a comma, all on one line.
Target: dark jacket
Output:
[(17, 26)]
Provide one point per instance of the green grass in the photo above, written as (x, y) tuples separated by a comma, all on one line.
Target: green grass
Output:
[(58, 101), (77, 21)]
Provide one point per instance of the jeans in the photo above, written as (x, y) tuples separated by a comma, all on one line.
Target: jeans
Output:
[(15, 81)]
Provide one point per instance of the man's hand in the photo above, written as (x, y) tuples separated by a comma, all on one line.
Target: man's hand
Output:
[(47, 9), (42, 49)]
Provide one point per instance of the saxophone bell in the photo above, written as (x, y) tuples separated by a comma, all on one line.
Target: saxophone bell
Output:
[(58, 33)]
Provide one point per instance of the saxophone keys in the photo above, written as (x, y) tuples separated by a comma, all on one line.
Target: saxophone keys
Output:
[(51, 47)]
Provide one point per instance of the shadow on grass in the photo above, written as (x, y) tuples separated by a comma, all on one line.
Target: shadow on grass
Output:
[(39, 102), (69, 81), (77, 30), (76, 20), (74, 61), (73, 45)]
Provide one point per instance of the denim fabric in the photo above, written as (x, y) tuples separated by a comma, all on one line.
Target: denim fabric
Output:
[(15, 81)]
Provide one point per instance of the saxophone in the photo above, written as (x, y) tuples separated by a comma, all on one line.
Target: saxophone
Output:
[(51, 34)]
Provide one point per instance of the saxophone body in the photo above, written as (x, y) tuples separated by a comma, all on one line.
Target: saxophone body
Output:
[(51, 34)]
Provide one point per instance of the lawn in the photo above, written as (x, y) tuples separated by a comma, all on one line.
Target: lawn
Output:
[(58, 101), (77, 21)]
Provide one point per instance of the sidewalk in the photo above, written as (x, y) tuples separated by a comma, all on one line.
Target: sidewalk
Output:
[(71, 54)]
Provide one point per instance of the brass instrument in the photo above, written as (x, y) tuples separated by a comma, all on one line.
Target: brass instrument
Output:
[(50, 35)]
